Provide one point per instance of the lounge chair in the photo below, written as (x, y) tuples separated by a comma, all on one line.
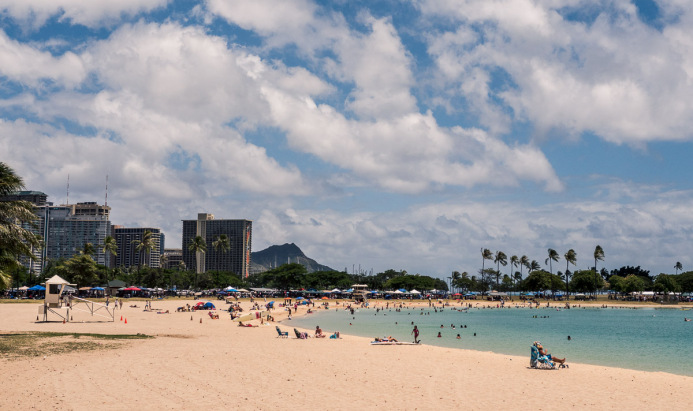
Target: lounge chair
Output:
[(282, 334), (540, 361)]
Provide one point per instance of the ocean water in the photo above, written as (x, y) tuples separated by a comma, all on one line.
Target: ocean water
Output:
[(646, 339)]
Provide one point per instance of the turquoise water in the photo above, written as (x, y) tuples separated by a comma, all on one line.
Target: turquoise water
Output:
[(643, 339)]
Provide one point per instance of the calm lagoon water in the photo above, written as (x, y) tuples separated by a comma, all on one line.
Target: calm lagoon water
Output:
[(646, 339)]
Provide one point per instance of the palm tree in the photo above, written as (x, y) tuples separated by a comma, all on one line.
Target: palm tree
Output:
[(221, 243), (16, 220), (570, 258), (514, 262), (534, 266), (454, 279), (678, 267), (524, 262), (163, 259), (88, 249), (109, 246), (197, 245), (598, 256), (144, 246), (500, 259), (553, 256), (486, 254)]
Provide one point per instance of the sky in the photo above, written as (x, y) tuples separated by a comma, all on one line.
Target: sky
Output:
[(375, 134)]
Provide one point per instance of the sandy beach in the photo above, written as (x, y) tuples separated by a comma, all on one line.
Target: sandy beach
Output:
[(214, 364)]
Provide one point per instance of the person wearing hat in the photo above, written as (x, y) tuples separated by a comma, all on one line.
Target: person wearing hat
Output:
[(542, 351)]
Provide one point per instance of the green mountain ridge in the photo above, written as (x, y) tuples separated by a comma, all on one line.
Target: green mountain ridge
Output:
[(277, 255)]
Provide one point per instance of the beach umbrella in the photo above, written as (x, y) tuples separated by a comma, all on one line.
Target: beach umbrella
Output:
[(132, 289), (37, 288), (299, 298), (324, 298), (336, 290), (98, 288)]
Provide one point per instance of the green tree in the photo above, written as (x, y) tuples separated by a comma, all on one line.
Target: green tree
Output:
[(570, 258), (500, 259), (16, 220), (678, 267), (88, 249), (598, 256), (486, 254), (144, 247), (80, 269), (534, 266), (109, 246), (223, 244), (553, 256), (514, 262), (197, 245), (665, 284)]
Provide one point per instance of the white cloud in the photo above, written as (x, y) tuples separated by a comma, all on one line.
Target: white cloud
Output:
[(29, 66), (442, 237), (617, 77), (86, 12)]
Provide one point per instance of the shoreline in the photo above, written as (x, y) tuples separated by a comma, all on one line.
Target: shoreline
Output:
[(216, 364)]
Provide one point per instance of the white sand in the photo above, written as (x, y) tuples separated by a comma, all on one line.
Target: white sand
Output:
[(217, 365)]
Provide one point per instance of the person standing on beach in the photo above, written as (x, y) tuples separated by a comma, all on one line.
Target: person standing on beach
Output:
[(415, 331)]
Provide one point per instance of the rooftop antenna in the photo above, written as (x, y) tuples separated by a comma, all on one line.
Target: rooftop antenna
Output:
[(68, 189), (106, 203)]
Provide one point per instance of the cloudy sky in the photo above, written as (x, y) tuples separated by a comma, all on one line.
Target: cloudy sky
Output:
[(379, 133)]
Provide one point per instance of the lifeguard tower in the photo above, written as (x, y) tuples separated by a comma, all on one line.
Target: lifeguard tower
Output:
[(53, 302), (360, 292), (61, 305)]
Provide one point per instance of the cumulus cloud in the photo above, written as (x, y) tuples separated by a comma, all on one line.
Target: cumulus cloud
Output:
[(614, 76), (442, 237), (86, 12)]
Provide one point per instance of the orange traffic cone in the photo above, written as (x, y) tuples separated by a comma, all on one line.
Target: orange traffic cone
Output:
[(126, 321), (37, 318), (63, 321), (200, 320), (72, 318), (191, 318), (121, 318)]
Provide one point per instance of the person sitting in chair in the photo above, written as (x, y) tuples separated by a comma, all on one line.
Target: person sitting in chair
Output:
[(542, 351)]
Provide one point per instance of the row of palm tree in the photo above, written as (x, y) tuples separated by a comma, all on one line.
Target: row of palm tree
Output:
[(500, 258)]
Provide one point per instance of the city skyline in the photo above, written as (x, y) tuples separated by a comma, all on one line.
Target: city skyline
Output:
[(390, 134)]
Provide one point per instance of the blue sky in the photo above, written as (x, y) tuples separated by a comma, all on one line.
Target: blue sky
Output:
[(385, 134)]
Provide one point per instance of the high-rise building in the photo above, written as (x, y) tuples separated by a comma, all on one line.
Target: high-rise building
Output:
[(127, 254), (38, 199), (67, 228), (236, 259)]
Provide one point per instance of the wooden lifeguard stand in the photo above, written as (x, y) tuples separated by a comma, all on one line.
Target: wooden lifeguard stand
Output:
[(61, 306), (360, 292), (53, 302)]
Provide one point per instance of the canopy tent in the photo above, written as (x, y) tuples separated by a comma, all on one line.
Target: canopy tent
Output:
[(336, 290), (37, 288), (98, 288), (414, 291), (402, 290), (23, 288), (230, 289)]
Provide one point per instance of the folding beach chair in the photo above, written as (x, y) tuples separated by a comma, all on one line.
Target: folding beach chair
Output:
[(540, 361), (282, 334)]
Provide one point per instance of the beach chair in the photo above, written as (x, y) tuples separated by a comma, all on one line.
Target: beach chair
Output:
[(300, 335), (540, 361), (282, 334)]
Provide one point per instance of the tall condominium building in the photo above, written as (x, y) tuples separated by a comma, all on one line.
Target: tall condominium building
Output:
[(127, 240), (67, 228), (64, 229), (236, 259)]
